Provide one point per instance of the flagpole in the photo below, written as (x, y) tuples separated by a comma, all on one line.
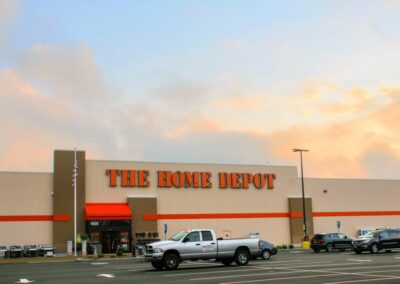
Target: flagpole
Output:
[(75, 205)]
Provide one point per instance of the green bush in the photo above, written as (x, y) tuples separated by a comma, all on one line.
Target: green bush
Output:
[(284, 246), (278, 246), (291, 246)]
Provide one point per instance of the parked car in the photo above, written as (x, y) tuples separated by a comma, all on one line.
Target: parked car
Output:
[(266, 250), (330, 242), (200, 245), (377, 240)]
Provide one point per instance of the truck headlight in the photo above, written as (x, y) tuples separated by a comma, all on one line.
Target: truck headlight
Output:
[(158, 250)]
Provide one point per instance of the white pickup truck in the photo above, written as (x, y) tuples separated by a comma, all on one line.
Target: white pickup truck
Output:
[(200, 244)]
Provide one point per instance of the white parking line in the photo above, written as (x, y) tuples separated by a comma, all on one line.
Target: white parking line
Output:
[(269, 273), (129, 266), (99, 263), (269, 262), (234, 269), (319, 265), (365, 280), (352, 259), (363, 274), (283, 278), (244, 275), (362, 267)]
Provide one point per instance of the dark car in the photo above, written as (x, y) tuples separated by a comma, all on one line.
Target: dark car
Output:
[(377, 240), (266, 250), (330, 242)]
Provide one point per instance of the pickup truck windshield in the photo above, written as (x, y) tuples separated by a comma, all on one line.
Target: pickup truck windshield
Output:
[(179, 236)]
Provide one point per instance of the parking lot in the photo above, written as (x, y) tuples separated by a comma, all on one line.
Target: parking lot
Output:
[(296, 266)]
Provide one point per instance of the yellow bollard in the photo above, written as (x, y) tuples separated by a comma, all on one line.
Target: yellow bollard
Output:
[(305, 244)]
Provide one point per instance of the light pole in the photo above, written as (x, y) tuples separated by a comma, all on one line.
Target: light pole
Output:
[(302, 192)]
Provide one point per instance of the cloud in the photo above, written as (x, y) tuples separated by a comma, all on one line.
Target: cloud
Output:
[(238, 45), (380, 159), (8, 9), (241, 102), (68, 73), (57, 98), (347, 148)]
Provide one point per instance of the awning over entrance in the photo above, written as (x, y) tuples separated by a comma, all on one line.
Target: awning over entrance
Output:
[(108, 211)]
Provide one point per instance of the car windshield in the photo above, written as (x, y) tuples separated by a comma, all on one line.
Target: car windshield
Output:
[(372, 234), (179, 236)]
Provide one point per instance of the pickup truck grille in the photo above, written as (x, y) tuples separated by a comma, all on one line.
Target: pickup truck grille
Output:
[(149, 249)]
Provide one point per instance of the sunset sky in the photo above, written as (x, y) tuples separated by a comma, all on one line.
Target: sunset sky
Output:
[(238, 82)]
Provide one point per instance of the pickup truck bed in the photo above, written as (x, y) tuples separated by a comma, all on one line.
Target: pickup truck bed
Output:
[(200, 244)]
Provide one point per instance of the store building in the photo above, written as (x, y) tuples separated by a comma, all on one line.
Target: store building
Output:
[(129, 203)]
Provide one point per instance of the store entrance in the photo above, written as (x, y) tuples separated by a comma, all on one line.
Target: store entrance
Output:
[(110, 234), (110, 241)]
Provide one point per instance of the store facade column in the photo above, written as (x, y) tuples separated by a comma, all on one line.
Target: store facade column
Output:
[(143, 231), (296, 218), (63, 197)]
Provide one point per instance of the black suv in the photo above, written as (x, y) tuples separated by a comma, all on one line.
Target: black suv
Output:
[(377, 240), (330, 242)]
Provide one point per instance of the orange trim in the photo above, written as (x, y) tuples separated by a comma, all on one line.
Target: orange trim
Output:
[(61, 218), (356, 213), (21, 218), (148, 217), (108, 211)]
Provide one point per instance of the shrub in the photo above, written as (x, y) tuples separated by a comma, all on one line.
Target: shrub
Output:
[(284, 246), (278, 246), (120, 251), (291, 246)]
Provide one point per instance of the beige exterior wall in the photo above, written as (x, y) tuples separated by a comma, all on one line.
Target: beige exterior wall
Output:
[(276, 230), (26, 194), (342, 195), (349, 195), (213, 200), (31, 194)]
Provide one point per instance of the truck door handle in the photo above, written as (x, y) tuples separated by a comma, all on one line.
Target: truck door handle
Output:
[(197, 244), (213, 243)]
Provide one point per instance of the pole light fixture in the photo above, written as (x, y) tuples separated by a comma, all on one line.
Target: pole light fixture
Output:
[(305, 237)]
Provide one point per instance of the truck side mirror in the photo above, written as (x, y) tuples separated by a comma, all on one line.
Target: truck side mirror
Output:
[(185, 240)]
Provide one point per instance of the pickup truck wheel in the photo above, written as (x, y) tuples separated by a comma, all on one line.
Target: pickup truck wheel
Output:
[(227, 261), (157, 265), (242, 257), (266, 254), (171, 261)]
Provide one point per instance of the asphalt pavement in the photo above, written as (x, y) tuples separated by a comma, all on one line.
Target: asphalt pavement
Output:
[(295, 266)]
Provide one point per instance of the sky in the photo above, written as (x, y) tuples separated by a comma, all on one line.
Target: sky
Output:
[(229, 82)]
